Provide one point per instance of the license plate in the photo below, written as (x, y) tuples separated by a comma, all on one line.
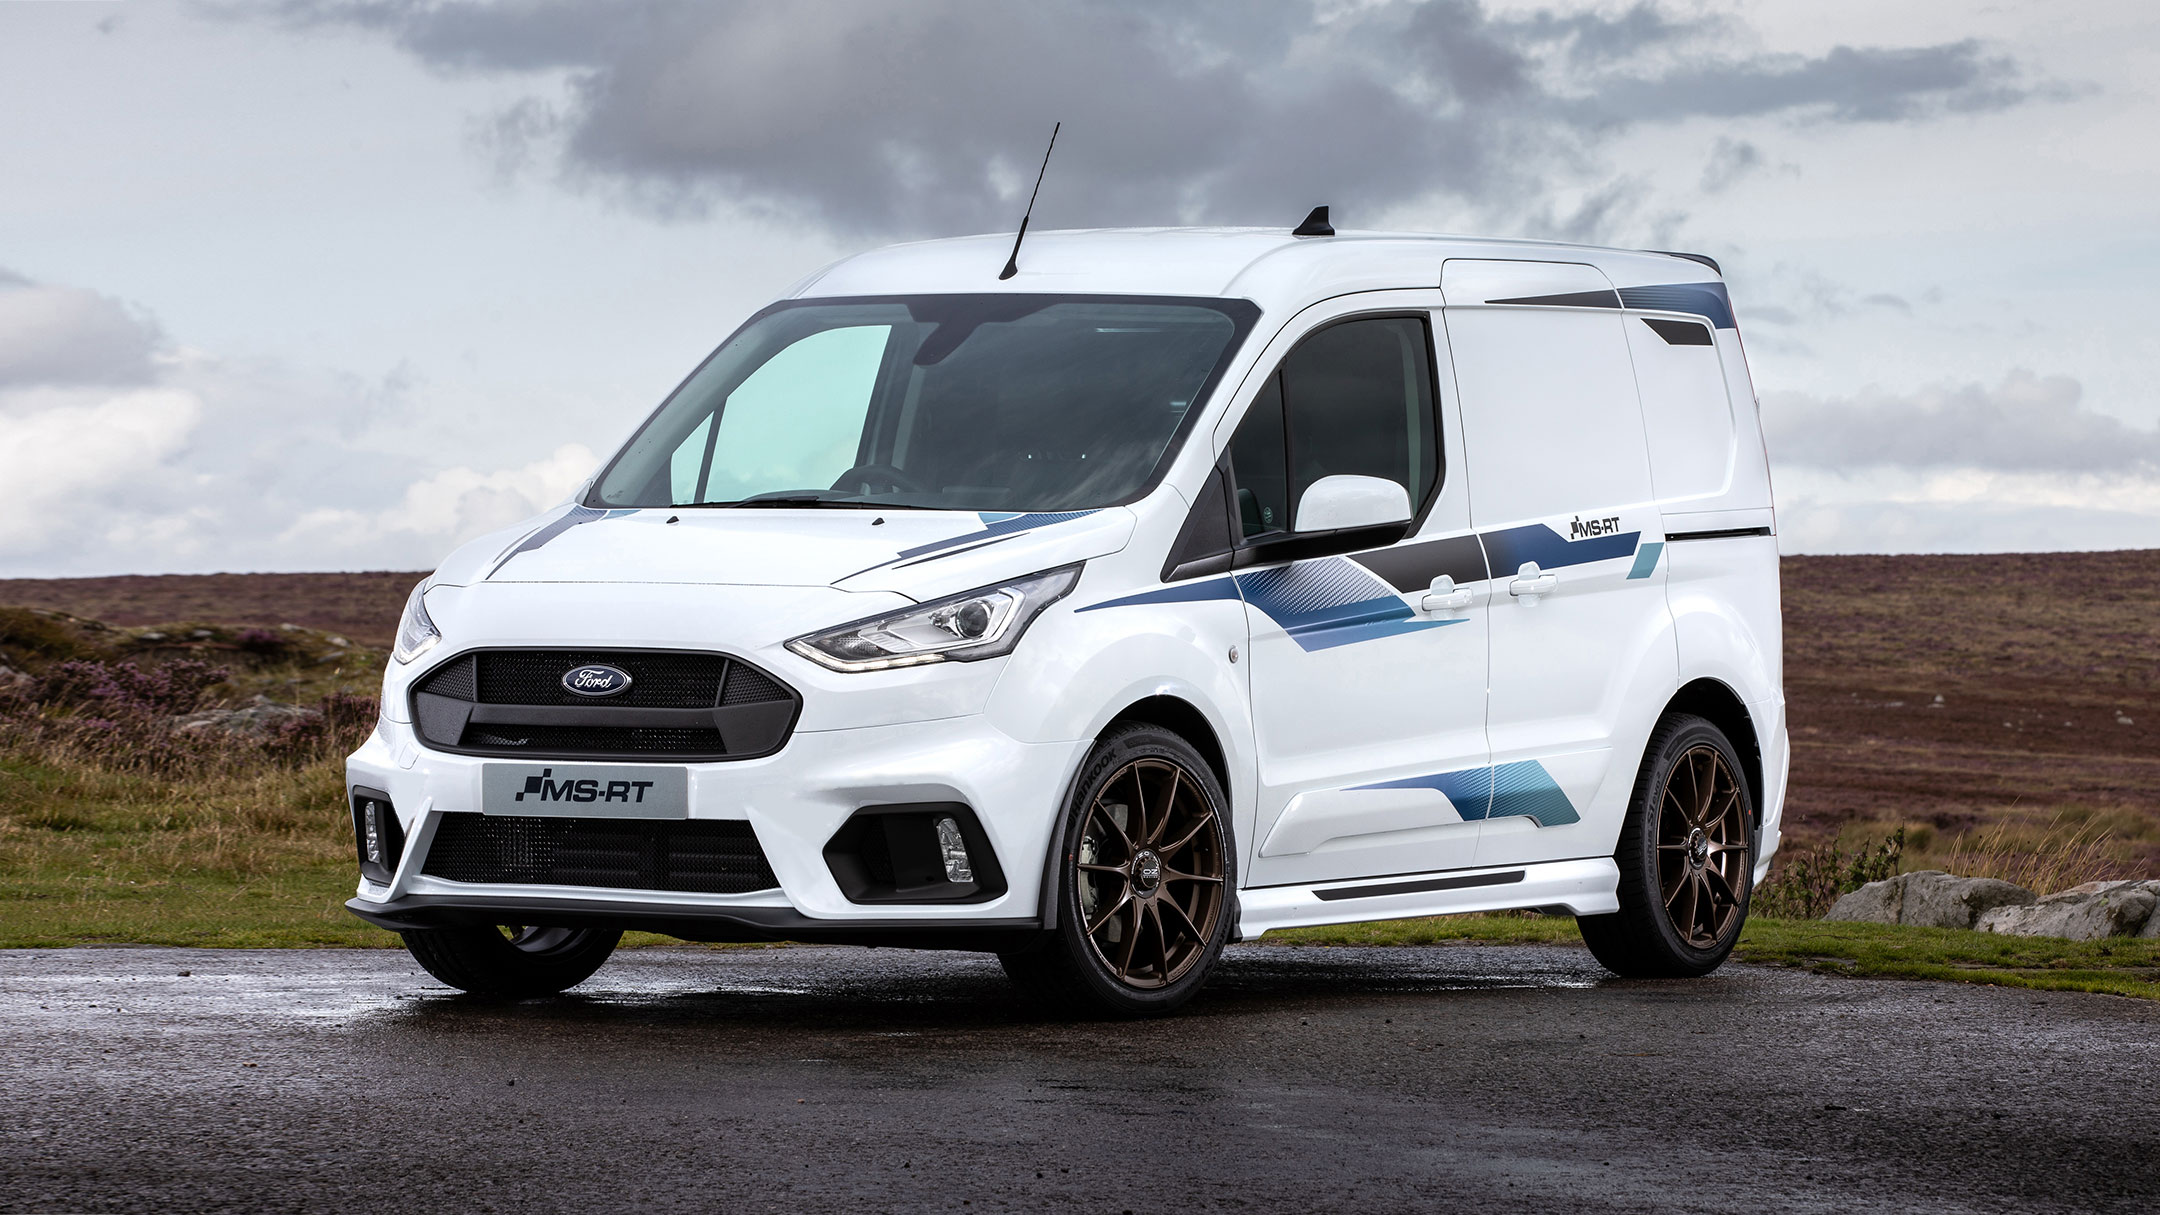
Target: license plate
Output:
[(585, 790)]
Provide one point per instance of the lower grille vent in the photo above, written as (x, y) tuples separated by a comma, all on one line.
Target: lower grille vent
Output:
[(693, 855)]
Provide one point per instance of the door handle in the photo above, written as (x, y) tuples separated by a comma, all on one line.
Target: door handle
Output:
[(1444, 596), (1530, 582)]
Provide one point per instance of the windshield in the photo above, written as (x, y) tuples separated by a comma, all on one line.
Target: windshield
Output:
[(942, 402)]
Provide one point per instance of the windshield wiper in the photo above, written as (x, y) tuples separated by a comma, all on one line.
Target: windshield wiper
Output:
[(815, 498)]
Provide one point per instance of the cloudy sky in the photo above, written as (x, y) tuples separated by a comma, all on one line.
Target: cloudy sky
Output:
[(323, 285)]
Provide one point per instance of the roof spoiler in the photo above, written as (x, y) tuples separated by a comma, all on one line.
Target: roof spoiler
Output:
[(1703, 258)]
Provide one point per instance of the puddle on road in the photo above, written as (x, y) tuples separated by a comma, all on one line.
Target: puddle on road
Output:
[(331, 988)]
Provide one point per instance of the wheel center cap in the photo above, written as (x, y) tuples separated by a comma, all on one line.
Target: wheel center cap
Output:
[(1146, 871), (1698, 847)]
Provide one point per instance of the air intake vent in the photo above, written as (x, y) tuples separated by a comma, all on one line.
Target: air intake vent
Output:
[(694, 856), (675, 705)]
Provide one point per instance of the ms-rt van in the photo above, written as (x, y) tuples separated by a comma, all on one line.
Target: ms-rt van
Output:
[(1181, 586)]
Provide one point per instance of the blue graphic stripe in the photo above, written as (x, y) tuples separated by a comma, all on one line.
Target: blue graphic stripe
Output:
[(1646, 559), (1176, 592), (1519, 790), (1469, 791), (562, 523), (998, 523), (1510, 547), (1332, 602), (1703, 299), (1525, 788)]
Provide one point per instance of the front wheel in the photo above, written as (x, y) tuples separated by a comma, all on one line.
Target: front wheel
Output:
[(1686, 857), (511, 960), (1145, 879)]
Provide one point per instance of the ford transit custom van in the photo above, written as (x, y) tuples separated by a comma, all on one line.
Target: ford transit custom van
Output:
[(1183, 585)]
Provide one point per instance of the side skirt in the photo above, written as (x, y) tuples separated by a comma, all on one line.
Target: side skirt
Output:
[(1583, 887)]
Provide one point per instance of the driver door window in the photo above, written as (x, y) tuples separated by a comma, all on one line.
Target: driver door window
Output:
[(1353, 398)]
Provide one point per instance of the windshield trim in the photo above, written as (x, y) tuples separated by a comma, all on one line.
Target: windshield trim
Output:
[(1244, 314)]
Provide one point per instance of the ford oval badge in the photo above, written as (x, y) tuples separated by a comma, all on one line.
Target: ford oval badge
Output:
[(596, 680)]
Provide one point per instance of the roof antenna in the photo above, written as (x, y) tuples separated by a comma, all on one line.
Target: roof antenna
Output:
[(1316, 224), (1012, 264)]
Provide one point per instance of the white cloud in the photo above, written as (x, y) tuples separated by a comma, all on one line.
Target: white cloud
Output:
[(70, 457), (219, 464), (2027, 422), (450, 506)]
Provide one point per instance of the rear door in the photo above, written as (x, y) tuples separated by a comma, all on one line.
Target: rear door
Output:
[(1563, 503)]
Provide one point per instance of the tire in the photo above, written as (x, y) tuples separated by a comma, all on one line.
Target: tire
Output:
[(512, 961), (1146, 881), (1686, 857)]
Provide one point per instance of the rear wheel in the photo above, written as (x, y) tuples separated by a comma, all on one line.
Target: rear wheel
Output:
[(512, 959), (1686, 857), (1145, 875)]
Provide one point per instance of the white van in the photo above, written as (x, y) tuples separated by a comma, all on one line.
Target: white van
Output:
[(1181, 586)]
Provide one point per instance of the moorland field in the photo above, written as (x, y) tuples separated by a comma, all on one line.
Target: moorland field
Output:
[(2001, 712)]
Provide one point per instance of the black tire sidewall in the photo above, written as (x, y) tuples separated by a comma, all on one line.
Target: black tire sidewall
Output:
[(1676, 737), (1075, 953), (481, 960)]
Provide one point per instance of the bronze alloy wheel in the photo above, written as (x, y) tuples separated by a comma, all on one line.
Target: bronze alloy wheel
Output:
[(1702, 846), (1150, 869)]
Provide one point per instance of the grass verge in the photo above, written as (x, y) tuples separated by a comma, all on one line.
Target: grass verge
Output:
[(2118, 966)]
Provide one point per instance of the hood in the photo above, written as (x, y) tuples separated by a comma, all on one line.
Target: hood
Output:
[(914, 553)]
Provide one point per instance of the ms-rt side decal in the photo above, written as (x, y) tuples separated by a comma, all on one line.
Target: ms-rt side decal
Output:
[(1334, 601), (1519, 790)]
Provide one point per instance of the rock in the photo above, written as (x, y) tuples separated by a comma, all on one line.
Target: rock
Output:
[(1929, 898), (2083, 913), (260, 717)]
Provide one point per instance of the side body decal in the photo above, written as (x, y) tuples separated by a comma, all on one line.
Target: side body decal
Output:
[(1519, 790), (1320, 604)]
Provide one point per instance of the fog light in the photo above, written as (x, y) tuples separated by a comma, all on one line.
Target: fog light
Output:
[(953, 850), (376, 834)]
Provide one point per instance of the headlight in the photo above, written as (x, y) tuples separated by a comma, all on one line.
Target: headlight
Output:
[(416, 634), (961, 628)]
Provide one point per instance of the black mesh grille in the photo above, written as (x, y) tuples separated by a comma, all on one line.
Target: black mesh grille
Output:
[(696, 856), (454, 679), (680, 705), (657, 681), (748, 685)]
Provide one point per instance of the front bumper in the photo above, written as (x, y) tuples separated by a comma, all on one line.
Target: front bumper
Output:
[(794, 801)]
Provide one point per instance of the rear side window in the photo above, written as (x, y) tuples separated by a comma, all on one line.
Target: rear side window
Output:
[(1354, 398), (1687, 413)]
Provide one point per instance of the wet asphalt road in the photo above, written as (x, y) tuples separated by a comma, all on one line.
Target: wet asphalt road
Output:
[(835, 1080)]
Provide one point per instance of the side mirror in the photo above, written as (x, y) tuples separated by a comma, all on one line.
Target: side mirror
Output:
[(1334, 503)]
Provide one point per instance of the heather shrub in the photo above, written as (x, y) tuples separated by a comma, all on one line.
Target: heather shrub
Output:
[(124, 716), (1805, 884), (125, 690)]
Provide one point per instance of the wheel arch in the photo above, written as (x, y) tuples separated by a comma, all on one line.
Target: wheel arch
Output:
[(1715, 702), (1182, 718), (1163, 710)]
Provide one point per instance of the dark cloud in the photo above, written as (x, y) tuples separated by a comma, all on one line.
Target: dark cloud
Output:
[(2027, 423), (66, 335), (926, 118), (1730, 160)]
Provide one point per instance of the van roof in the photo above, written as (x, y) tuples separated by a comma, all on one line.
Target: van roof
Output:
[(1274, 269)]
